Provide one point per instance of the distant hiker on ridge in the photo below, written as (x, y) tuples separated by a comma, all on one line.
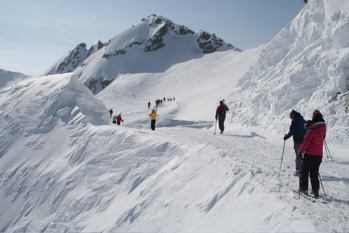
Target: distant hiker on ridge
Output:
[(220, 115), (153, 116), (111, 112), (119, 119), (298, 132)]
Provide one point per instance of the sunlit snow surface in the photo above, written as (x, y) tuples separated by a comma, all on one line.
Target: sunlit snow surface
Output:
[(65, 167)]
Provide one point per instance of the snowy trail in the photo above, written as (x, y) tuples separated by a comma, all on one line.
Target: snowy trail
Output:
[(228, 169)]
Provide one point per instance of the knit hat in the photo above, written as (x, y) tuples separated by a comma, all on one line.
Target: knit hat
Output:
[(293, 112)]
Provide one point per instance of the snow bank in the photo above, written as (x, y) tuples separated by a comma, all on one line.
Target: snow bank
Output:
[(35, 106), (302, 68)]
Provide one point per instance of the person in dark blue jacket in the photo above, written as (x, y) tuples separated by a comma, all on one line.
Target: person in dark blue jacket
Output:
[(220, 114), (298, 132)]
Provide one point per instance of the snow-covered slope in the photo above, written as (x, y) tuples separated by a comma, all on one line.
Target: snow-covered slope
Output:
[(8, 77), (305, 67), (64, 167), (59, 172), (197, 85)]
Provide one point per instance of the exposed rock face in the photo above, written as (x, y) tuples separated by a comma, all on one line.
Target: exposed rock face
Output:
[(73, 60)]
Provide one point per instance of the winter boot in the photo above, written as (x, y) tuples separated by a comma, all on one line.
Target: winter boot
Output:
[(316, 193), (303, 191)]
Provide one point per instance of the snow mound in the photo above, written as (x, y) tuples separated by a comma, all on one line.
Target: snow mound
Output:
[(303, 68), (36, 105)]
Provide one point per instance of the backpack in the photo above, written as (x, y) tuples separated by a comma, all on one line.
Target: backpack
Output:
[(222, 109)]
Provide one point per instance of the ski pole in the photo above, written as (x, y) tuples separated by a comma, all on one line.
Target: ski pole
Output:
[(282, 156), (215, 127), (321, 184), (327, 150), (300, 166)]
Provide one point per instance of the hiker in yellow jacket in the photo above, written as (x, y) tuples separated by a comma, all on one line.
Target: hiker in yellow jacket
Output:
[(153, 116)]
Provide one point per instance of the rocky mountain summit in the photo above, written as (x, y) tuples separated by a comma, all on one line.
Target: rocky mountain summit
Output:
[(152, 35)]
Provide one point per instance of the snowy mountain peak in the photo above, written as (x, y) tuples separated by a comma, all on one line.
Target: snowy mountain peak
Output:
[(137, 49)]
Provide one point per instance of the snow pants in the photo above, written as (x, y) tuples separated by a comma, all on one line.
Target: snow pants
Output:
[(298, 160), (311, 165), (152, 124), (221, 119)]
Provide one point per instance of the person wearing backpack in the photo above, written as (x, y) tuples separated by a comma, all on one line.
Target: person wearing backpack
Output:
[(220, 115), (312, 149)]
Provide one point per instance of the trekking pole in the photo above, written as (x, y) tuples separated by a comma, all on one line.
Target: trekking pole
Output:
[(327, 150), (300, 165), (321, 184), (215, 127), (282, 156)]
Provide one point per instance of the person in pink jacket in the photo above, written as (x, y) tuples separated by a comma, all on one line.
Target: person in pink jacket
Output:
[(312, 150)]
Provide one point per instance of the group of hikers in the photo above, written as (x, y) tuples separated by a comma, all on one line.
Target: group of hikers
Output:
[(308, 138), (153, 113), (117, 119), (159, 102), (220, 114)]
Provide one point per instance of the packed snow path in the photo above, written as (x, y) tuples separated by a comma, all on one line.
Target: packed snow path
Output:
[(187, 179)]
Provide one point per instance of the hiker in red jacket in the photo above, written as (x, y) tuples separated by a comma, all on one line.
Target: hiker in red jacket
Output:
[(119, 119), (312, 150), (111, 112)]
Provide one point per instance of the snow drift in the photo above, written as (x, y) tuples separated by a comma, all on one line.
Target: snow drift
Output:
[(34, 107), (305, 67), (8, 78)]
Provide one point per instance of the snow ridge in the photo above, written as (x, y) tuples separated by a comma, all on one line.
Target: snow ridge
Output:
[(7, 78)]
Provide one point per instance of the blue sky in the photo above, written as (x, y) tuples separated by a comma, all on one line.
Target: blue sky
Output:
[(36, 33)]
